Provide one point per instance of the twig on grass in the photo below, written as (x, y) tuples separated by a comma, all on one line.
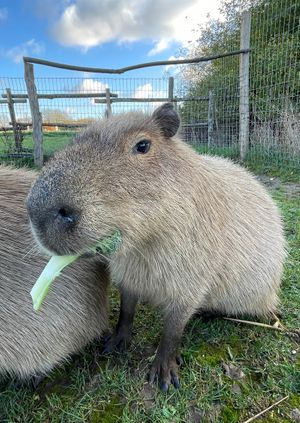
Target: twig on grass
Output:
[(277, 325), (293, 333), (264, 411)]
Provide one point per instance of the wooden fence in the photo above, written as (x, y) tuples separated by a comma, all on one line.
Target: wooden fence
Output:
[(108, 98)]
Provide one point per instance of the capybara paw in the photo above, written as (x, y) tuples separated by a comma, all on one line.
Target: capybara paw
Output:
[(118, 341), (36, 381), (165, 371)]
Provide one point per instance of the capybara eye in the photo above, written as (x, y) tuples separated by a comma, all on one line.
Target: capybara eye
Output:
[(142, 147)]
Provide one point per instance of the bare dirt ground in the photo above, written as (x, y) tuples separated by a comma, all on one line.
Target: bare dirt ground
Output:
[(273, 184)]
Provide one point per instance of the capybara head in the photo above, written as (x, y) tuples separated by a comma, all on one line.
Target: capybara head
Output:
[(110, 178)]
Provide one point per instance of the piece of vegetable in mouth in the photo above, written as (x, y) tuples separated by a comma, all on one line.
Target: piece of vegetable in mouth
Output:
[(56, 264), (52, 270)]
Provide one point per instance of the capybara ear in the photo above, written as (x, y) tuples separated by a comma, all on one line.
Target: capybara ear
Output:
[(167, 119)]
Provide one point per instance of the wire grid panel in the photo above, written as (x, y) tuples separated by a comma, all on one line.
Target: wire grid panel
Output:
[(275, 82), (66, 115), (22, 110), (84, 110), (211, 116), (8, 140)]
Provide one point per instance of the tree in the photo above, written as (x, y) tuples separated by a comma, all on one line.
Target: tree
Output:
[(56, 116), (274, 59)]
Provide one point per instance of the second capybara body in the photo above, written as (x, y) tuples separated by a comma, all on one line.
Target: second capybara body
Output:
[(198, 232), (75, 310)]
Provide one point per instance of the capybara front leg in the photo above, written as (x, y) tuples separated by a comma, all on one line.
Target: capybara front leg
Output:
[(121, 337), (165, 365)]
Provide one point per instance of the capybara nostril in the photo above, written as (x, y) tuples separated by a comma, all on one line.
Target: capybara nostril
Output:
[(68, 216)]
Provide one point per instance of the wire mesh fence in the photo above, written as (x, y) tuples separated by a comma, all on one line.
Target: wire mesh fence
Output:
[(213, 115), (63, 116), (275, 82), (206, 120), (206, 95)]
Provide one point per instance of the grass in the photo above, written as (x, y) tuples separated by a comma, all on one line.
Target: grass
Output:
[(93, 388), (53, 141), (258, 160)]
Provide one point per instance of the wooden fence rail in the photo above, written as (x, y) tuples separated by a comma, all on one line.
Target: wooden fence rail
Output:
[(109, 98), (134, 67), (24, 125), (14, 100)]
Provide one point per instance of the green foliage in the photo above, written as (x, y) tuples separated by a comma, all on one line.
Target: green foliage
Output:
[(274, 75)]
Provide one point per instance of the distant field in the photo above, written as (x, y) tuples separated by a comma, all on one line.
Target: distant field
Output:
[(53, 141)]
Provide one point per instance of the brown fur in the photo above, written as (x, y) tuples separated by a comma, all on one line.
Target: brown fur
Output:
[(198, 231), (75, 310)]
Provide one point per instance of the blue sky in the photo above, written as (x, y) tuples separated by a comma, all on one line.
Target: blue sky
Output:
[(98, 33), (94, 33)]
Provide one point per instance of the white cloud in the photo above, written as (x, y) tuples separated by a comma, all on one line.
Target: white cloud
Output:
[(70, 110), (3, 14), (87, 23), (143, 91), (92, 86), (29, 47), (89, 85), (159, 47), (147, 91)]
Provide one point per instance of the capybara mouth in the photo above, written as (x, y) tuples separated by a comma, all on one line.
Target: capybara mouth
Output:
[(105, 246)]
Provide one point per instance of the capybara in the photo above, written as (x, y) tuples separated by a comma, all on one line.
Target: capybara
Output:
[(75, 310), (198, 232)]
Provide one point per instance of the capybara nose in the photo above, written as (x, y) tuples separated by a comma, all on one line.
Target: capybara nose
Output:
[(52, 219)]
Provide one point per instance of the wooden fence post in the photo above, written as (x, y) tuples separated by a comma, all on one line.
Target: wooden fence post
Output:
[(37, 123), (210, 120), (10, 103), (244, 84), (108, 103)]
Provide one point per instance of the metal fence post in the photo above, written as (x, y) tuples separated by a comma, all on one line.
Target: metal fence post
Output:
[(37, 123), (171, 89), (210, 119), (108, 103), (244, 85)]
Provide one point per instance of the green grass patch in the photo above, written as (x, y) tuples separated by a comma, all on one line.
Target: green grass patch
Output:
[(261, 161), (52, 142), (274, 163), (230, 151)]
